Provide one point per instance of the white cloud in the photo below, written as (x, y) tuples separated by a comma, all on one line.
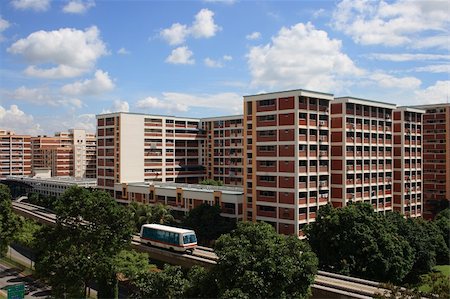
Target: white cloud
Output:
[(227, 102), (72, 51), (318, 13), (4, 24), (437, 93), (253, 35), (78, 6), (388, 81), (154, 103), (101, 83), (434, 68), (400, 22), (42, 96), (36, 5), (408, 57), (176, 34), (212, 63), (227, 57), (220, 1), (16, 120), (203, 26), (301, 56), (123, 51), (118, 106), (180, 55)]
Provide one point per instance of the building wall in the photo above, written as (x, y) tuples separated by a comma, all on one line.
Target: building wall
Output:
[(131, 150), (408, 161), (286, 157), (362, 153), (15, 154)]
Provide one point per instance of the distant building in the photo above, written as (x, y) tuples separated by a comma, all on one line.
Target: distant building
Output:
[(54, 186), (436, 158), (15, 154), (70, 153)]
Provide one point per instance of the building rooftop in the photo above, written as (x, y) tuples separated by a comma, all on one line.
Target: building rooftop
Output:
[(193, 187), (431, 105), (290, 90), (61, 179), (378, 103), (146, 114)]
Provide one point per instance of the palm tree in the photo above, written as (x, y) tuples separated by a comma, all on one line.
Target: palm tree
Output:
[(142, 214), (161, 214)]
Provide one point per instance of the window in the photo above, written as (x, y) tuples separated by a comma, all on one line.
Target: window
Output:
[(267, 103)]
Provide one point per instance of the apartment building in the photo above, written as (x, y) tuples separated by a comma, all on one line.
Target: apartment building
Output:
[(70, 153), (182, 197), (408, 161), (134, 147), (436, 158), (15, 154), (362, 152), (223, 149), (286, 158)]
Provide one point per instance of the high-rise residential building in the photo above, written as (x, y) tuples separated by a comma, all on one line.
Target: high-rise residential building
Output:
[(223, 149), (361, 152), (70, 153), (135, 147), (15, 154), (408, 161), (286, 158), (436, 158)]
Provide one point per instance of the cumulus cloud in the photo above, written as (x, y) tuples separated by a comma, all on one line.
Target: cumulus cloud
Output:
[(212, 63), (123, 51), (71, 51), (42, 96), (101, 83), (78, 6), (433, 68), (388, 81), (181, 55), (118, 106), (401, 22), (203, 26), (400, 57), (16, 120), (36, 5), (4, 24), (301, 56), (227, 57), (437, 93), (154, 103), (253, 35)]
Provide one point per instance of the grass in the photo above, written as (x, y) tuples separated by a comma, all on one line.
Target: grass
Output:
[(444, 269), (25, 270)]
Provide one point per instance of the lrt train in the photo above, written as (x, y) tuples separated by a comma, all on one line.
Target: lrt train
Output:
[(173, 238)]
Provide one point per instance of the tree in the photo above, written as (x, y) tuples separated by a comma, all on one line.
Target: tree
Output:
[(211, 182), (169, 283), (9, 222), (442, 221), (142, 214), (27, 233), (357, 241), (207, 223), (131, 264), (256, 262), (91, 228)]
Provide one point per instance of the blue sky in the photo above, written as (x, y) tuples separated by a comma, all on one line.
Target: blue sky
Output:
[(62, 62)]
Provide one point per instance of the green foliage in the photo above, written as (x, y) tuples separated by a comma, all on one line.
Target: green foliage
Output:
[(142, 214), (442, 221), (27, 233), (201, 283), (256, 262), (211, 182), (396, 292), (436, 283), (48, 202), (91, 229), (9, 222), (207, 223), (131, 264), (169, 283), (357, 241)]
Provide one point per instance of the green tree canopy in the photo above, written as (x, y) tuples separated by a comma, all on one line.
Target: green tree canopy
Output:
[(144, 213), (256, 262), (9, 222), (207, 223), (357, 241), (211, 182), (91, 229), (442, 221)]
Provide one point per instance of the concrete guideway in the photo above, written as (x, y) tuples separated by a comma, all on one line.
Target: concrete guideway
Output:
[(331, 284)]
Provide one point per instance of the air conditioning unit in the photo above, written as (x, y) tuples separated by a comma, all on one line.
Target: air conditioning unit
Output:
[(322, 123)]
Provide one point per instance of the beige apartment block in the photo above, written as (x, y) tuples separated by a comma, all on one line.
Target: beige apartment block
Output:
[(15, 154)]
